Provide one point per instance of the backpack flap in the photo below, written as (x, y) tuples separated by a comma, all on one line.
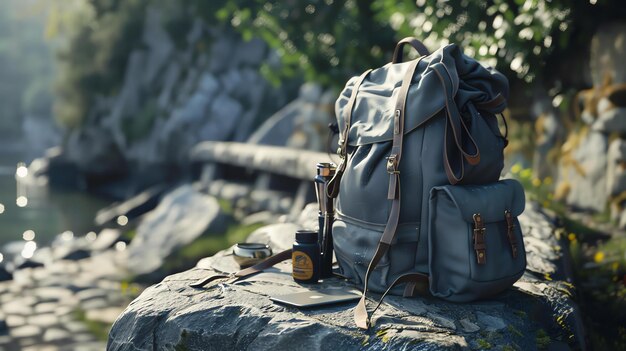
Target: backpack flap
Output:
[(373, 110), (476, 247)]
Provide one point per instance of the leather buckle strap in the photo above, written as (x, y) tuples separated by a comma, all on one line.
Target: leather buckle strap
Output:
[(343, 139), (244, 273), (510, 223), (458, 127), (496, 104), (361, 316), (416, 283), (479, 239), (333, 185)]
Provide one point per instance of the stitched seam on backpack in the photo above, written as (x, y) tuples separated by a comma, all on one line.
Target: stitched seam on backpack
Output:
[(364, 224)]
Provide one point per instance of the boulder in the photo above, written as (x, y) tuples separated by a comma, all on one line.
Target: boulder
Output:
[(616, 169), (208, 85), (549, 134), (94, 152), (133, 207), (222, 50), (4, 274), (190, 114), (241, 316), (76, 255), (608, 54), (182, 216), (128, 101), (277, 128), (279, 236), (23, 263), (302, 124), (251, 52), (159, 44), (587, 172), (172, 75), (611, 121), (223, 118)]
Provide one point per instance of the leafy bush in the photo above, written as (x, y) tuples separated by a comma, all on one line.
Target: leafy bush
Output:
[(327, 41), (331, 40)]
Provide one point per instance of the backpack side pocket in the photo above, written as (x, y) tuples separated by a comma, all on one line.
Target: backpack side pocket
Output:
[(476, 248)]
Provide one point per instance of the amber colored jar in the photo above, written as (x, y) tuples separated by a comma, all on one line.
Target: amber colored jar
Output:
[(305, 257)]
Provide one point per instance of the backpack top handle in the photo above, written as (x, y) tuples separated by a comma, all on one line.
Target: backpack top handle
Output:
[(416, 44)]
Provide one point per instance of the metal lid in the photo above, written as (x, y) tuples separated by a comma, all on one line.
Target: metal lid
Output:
[(306, 236), (326, 169)]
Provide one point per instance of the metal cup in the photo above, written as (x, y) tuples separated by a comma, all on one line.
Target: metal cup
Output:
[(249, 254)]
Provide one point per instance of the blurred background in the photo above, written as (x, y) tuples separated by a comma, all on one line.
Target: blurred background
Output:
[(102, 103)]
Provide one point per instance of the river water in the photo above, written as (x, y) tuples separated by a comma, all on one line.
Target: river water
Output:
[(45, 212)]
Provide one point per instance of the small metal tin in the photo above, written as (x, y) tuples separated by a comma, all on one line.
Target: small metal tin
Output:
[(249, 254)]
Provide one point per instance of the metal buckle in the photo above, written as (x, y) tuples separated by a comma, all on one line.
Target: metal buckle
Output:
[(392, 164)]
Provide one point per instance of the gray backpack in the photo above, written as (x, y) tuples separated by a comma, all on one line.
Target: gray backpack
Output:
[(419, 204)]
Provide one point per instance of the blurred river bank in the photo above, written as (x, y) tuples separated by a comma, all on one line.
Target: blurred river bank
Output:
[(35, 207)]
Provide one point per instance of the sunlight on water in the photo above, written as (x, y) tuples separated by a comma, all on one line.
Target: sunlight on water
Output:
[(1, 208), (21, 201), (21, 171), (29, 249), (67, 235), (29, 235), (122, 220), (91, 236), (120, 246)]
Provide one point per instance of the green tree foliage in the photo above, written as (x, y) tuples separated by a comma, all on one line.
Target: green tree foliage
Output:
[(98, 37), (327, 41), (330, 40)]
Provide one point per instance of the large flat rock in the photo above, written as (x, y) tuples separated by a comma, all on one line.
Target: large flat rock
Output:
[(538, 312)]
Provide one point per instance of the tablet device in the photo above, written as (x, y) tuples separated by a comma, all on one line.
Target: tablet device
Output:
[(315, 298)]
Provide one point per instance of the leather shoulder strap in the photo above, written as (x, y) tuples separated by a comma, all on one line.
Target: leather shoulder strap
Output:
[(333, 184), (361, 316)]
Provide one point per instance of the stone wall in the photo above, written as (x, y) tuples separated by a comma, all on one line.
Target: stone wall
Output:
[(591, 167)]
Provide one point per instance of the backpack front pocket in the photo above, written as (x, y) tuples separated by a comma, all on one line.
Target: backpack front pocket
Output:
[(355, 243), (476, 248)]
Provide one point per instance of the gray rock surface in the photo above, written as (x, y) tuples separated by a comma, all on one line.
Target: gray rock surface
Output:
[(588, 177), (224, 117), (40, 305), (302, 124), (239, 316), (611, 121), (106, 239), (548, 137), (616, 172), (173, 96), (182, 216), (159, 44), (292, 163), (608, 54), (93, 151)]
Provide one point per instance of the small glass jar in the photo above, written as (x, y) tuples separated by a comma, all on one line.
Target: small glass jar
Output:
[(305, 257)]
